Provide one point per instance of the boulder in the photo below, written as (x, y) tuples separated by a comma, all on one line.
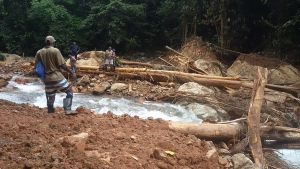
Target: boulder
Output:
[(25, 65), (158, 154), (203, 111), (5, 77), (3, 83), (91, 58), (195, 88), (118, 87), (279, 72), (20, 80), (241, 161), (209, 66), (88, 62), (212, 151), (100, 88), (79, 141), (84, 80), (12, 58)]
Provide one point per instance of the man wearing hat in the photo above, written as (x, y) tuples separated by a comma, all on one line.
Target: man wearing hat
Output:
[(53, 62), (74, 50)]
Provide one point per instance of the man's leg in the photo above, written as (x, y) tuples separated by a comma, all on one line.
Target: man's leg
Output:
[(50, 103), (67, 102)]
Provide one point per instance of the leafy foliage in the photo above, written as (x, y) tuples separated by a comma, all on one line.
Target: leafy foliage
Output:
[(2, 57), (132, 25)]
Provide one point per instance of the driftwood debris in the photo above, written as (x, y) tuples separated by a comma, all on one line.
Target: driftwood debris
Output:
[(187, 60), (254, 116), (180, 54)]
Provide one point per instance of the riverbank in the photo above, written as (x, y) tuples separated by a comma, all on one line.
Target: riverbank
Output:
[(31, 138), (234, 102)]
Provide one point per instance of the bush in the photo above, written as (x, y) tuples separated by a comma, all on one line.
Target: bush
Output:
[(2, 57)]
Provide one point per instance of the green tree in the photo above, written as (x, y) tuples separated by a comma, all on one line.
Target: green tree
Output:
[(180, 19), (47, 18), (13, 28), (116, 23)]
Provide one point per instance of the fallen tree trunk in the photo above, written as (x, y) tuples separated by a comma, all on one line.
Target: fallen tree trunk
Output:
[(282, 145), (207, 131), (160, 71), (218, 132), (181, 77), (254, 116), (125, 62)]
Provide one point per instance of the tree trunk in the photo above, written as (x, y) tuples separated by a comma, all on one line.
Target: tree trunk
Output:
[(254, 115), (207, 131), (218, 132), (125, 62), (195, 26)]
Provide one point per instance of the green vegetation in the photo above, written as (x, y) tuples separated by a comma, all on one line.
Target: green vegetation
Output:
[(136, 25), (2, 57)]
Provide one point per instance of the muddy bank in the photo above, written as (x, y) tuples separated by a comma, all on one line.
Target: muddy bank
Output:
[(31, 138)]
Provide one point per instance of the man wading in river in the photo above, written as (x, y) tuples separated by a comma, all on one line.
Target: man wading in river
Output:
[(53, 61)]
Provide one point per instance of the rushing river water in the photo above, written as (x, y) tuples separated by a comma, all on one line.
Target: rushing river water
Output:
[(33, 93)]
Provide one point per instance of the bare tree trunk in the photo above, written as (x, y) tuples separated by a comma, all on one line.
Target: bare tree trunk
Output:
[(185, 31), (254, 115), (195, 26)]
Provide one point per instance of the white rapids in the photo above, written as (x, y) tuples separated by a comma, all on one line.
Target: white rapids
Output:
[(34, 93)]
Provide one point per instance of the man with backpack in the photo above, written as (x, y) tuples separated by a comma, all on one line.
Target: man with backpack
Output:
[(54, 80)]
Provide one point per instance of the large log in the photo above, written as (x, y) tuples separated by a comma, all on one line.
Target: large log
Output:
[(161, 71), (125, 62), (218, 132), (254, 115), (181, 77), (282, 145), (207, 131)]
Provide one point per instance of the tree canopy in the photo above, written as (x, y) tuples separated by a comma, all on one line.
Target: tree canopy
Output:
[(133, 25)]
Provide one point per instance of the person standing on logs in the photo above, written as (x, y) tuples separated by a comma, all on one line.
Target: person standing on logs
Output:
[(53, 62), (74, 50), (109, 59)]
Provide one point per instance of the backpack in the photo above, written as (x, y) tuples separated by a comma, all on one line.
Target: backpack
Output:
[(40, 70)]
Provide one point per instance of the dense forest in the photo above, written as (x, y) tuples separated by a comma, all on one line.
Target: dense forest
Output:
[(141, 25)]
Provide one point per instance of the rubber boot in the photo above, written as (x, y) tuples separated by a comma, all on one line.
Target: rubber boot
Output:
[(51, 110), (67, 102)]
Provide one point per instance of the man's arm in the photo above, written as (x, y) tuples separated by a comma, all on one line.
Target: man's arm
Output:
[(66, 68), (62, 63)]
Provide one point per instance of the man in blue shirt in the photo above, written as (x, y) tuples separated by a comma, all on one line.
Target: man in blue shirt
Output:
[(74, 50)]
